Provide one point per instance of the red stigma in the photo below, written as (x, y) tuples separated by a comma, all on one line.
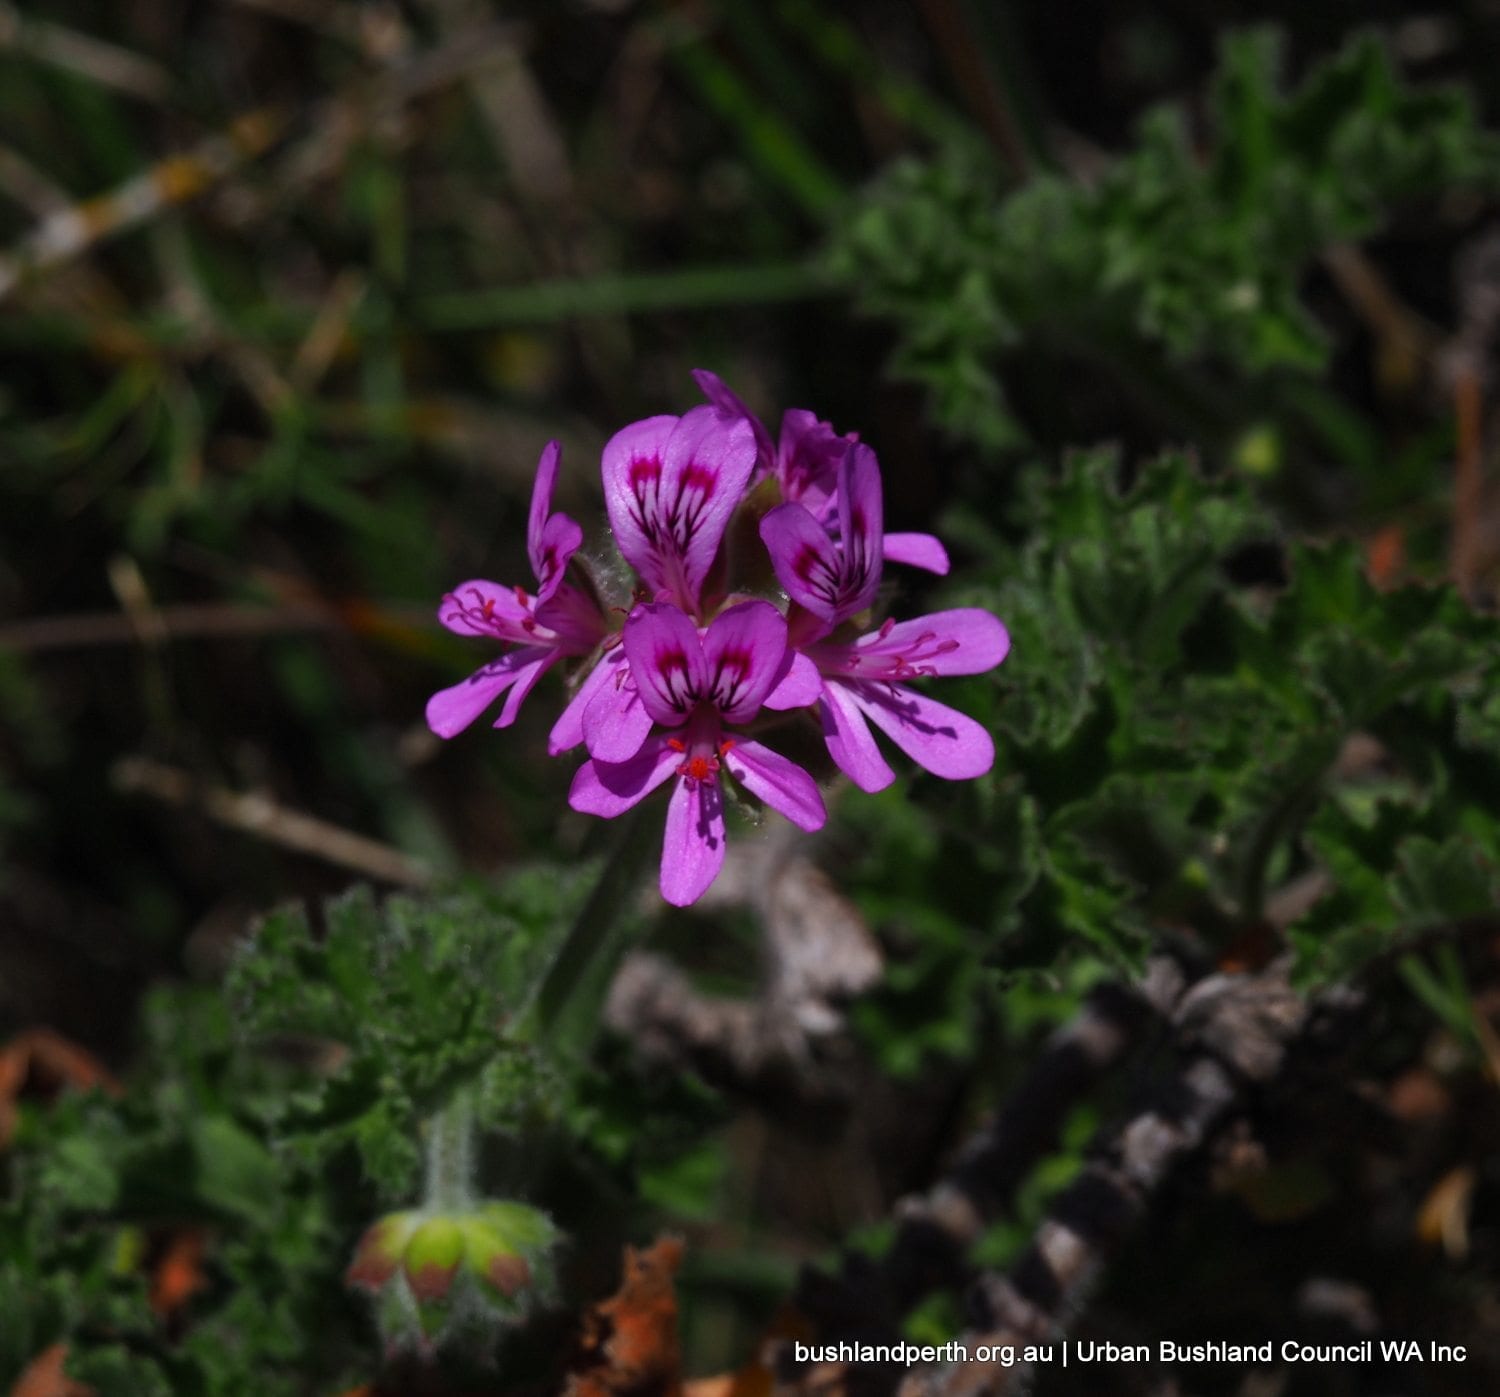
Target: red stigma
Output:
[(696, 769)]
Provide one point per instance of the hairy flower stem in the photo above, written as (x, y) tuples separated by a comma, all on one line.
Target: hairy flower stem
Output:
[(568, 994), (579, 975), (451, 1139)]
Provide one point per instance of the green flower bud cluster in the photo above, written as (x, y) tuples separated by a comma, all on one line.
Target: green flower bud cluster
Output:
[(437, 1273)]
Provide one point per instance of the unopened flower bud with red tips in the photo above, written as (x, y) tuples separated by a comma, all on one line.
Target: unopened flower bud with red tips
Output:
[(435, 1274)]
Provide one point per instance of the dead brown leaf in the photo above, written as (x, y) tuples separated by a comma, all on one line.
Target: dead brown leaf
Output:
[(1443, 1219), (1385, 555), (44, 1377), (178, 1276), (629, 1342), (40, 1060)]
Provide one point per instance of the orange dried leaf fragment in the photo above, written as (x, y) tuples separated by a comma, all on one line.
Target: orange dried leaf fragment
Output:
[(44, 1377), (179, 1274), (41, 1060), (629, 1342), (1443, 1218), (1385, 555)]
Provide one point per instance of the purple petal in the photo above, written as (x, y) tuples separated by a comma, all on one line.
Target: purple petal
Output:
[(708, 463), (745, 650), (572, 615), (615, 722), (861, 529), (807, 460), (567, 731), (806, 561), (728, 401), (525, 681), (632, 467), (781, 783), (666, 661), (966, 640), (850, 742), (611, 788), (485, 608), (801, 686), (692, 853), (450, 711), (560, 539), (917, 551), (933, 735), (551, 539), (541, 495)]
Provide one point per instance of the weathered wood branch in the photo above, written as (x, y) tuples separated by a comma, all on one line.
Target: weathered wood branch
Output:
[(818, 954), (866, 1299), (1235, 1031)]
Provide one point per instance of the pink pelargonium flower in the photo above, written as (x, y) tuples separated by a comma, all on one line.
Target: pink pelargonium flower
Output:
[(805, 462), (670, 487), (864, 680), (694, 689), (557, 621)]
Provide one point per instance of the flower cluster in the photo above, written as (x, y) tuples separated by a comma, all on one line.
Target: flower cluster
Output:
[(670, 689)]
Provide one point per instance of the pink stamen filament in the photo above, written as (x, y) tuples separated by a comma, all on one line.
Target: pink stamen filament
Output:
[(913, 661)]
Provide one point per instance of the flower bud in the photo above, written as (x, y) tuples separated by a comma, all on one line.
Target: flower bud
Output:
[(436, 1273)]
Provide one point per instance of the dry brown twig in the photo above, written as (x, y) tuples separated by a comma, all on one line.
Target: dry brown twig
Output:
[(265, 818), (28, 186), (68, 233), (1467, 371), (1406, 343), (332, 125), (191, 620), (953, 32), (107, 64)]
